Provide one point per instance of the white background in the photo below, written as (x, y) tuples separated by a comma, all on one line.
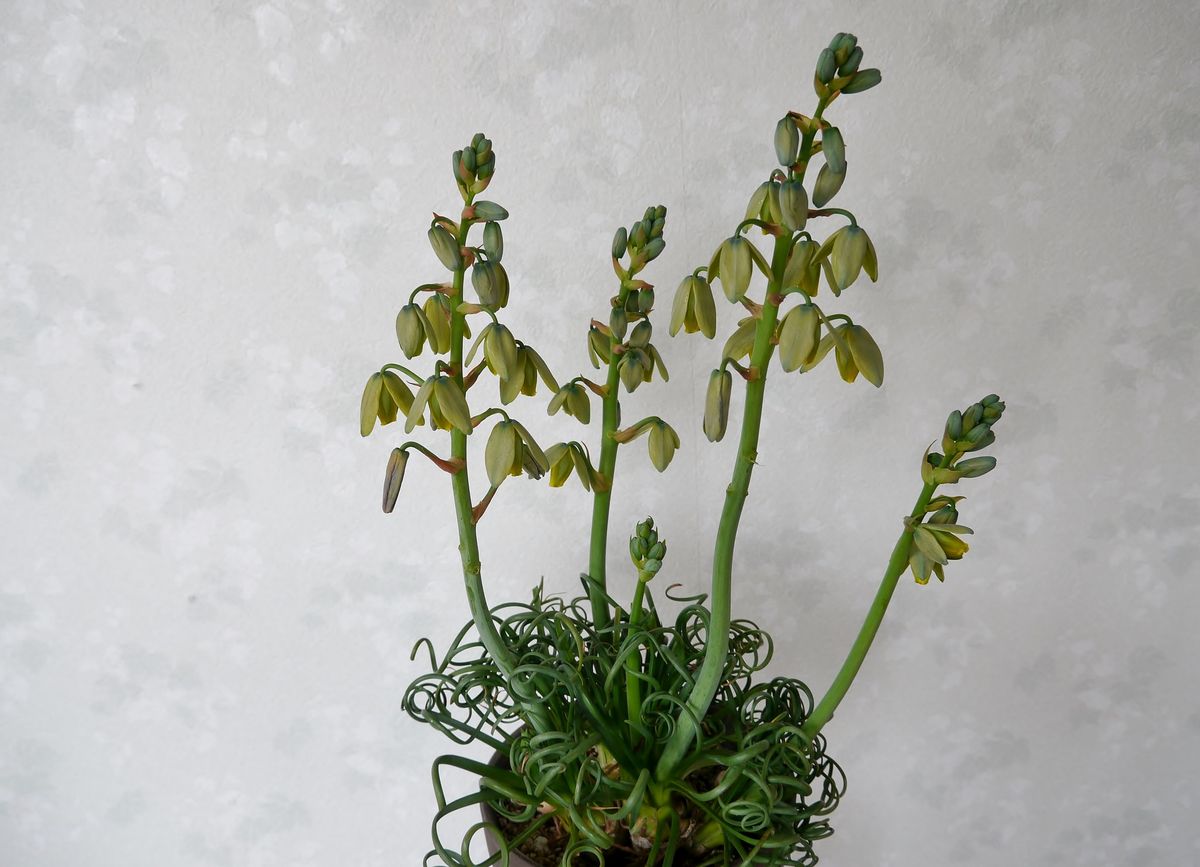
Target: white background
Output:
[(210, 215)]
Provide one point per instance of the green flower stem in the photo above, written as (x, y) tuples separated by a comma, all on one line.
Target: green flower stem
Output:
[(602, 494), (448, 466), (633, 687), (468, 540), (417, 380), (858, 651), (829, 212), (708, 677)]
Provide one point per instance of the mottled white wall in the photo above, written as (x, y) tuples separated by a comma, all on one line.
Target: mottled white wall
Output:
[(210, 212)]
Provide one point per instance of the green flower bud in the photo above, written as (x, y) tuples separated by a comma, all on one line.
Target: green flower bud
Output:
[(446, 247), (502, 455), (493, 241), (864, 79), (982, 443), (846, 250), (620, 243), (369, 408), (737, 266), (771, 209), (973, 468), (944, 515), (562, 459), (827, 185), (847, 369), (399, 392), (599, 350), (485, 210), (618, 321), (642, 332), (803, 270), (867, 357), (452, 403), (757, 202), (578, 404), (500, 350), (954, 425), (490, 282), (645, 300), (834, 150), (826, 66), (654, 247), (662, 443), (437, 324), (787, 141), (973, 416), (393, 478), (410, 330), (799, 335), (634, 368), (741, 341), (638, 235), (716, 404), (793, 205), (842, 46), (693, 308), (850, 65)]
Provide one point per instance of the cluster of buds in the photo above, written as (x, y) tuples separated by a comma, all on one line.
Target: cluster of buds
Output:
[(646, 550), (431, 326), (642, 241), (474, 166), (639, 245), (623, 346), (804, 334), (637, 357), (838, 68), (938, 539)]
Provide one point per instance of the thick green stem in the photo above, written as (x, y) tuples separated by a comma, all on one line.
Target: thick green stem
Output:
[(823, 712), (468, 541), (708, 677), (602, 499), (633, 686)]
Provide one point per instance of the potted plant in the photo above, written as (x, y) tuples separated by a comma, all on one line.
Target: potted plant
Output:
[(625, 734)]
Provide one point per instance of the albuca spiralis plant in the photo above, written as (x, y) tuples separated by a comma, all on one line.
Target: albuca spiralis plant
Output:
[(627, 735)]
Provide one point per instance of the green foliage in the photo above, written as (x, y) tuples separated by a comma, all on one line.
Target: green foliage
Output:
[(632, 737), (755, 787)]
